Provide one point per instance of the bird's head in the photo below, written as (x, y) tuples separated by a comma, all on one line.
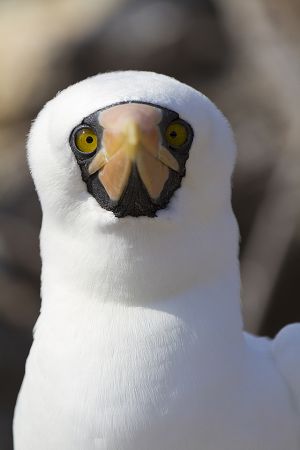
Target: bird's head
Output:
[(132, 144), (133, 170)]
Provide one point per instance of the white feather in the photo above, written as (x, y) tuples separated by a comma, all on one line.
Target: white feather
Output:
[(139, 345)]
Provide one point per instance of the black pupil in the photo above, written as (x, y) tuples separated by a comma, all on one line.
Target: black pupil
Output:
[(173, 134), (89, 139)]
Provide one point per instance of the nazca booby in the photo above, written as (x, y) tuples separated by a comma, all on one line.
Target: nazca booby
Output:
[(139, 344)]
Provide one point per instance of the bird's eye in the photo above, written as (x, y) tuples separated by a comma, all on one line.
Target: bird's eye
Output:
[(176, 134), (86, 140)]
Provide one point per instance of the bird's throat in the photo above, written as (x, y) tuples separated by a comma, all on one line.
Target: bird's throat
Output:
[(136, 261)]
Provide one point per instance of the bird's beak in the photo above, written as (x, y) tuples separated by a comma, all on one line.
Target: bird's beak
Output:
[(132, 140)]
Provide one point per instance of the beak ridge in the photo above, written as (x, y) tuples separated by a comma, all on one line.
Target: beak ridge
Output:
[(133, 139)]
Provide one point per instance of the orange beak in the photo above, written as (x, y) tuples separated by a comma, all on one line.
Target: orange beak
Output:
[(131, 135)]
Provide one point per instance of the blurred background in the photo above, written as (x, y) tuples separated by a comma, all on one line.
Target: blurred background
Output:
[(244, 55)]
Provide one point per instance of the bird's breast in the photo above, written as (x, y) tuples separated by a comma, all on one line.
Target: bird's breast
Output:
[(133, 378), (109, 378)]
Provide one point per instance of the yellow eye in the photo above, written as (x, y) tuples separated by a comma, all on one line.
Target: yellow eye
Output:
[(176, 134), (86, 140)]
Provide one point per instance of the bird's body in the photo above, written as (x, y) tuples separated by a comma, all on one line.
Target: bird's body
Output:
[(139, 344)]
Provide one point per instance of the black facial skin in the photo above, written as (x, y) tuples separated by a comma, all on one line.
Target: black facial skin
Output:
[(135, 200)]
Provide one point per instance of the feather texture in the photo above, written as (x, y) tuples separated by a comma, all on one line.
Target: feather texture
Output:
[(139, 344)]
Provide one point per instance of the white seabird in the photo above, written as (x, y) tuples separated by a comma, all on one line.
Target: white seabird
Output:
[(140, 343)]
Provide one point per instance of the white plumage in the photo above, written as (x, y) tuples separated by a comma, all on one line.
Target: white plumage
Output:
[(139, 344)]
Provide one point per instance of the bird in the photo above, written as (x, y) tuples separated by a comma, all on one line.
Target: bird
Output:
[(140, 343)]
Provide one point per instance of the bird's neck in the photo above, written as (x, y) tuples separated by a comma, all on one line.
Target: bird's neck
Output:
[(146, 266)]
